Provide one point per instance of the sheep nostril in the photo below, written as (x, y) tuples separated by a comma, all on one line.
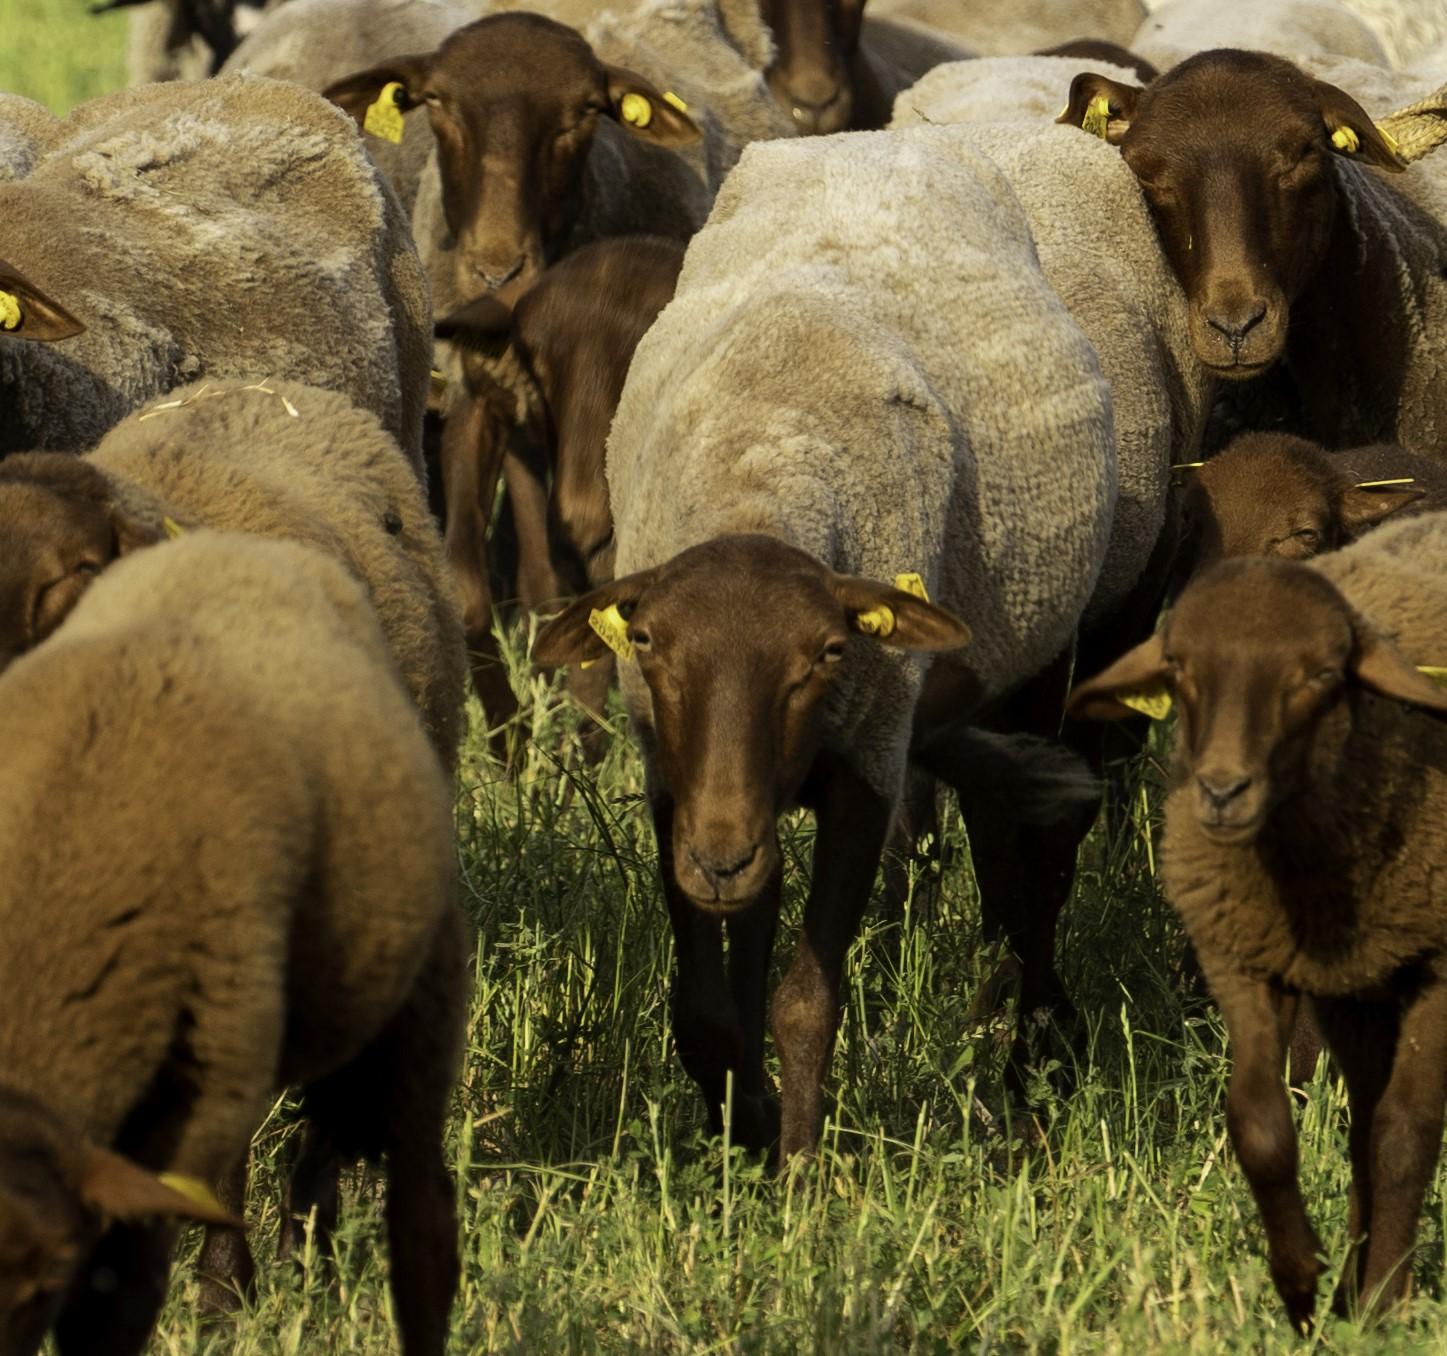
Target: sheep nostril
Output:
[(1235, 328), (715, 871), (1222, 790)]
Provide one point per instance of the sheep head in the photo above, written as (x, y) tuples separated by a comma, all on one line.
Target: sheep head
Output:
[(27, 313), (1255, 655), (514, 102), (59, 528), (58, 1193), (815, 45), (1272, 494), (738, 642), (1233, 151)]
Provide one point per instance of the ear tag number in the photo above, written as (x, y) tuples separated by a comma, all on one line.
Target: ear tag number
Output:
[(10, 316), (612, 630), (384, 118), (1154, 702)]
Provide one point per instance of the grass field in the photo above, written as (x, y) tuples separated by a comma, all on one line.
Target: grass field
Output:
[(595, 1215)]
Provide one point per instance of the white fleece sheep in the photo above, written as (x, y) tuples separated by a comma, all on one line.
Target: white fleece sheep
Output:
[(1099, 250), (219, 229), (1289, 28), (1015, 27), (823, 378)]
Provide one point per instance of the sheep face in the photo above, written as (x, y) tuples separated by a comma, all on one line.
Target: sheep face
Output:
[(58, 530), (514, 102), (1256, 654), (816, 41), (57, 1195), (1233, 151), (29, 313), (737, 643), (1271, 494)]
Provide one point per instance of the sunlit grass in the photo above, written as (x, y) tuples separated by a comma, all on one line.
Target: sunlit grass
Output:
[(55, 51)]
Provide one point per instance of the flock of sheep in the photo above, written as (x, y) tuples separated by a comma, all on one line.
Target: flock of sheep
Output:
[(905, 432)]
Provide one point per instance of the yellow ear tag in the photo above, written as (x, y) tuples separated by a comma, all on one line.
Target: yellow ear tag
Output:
[(172, 528), (1097, 117), (384, 118), (1382, 484), (636, 110), (912, 584), (1154, 702), (1437, 675), (878, 621), (1344, 139), (193, 1189), (670, 98), (1388, 138), (612, 630), (9, 311), (1188, 466)]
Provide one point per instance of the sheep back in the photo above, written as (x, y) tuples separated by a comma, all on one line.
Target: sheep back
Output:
[(231, 456), (820, 377), (219, 229)]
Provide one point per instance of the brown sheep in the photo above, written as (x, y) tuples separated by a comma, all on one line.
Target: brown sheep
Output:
[(209, 895), (571, 340), (1279, 495), (1289, 243), (1305, 841)]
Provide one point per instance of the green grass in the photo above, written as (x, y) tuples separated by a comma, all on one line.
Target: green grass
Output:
[(595, 1215)]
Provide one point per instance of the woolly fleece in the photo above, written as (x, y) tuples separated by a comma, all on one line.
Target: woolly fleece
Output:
[(234, 458), (1105, 264), (223, 229), (864, 360), (1288, 28), (217, 799), (25, 129), (1015, 27)]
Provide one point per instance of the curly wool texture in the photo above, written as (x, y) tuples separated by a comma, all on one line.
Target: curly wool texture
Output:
[(1014, 27), (1105, 263), (205, 858), (1346, 885), (234, 458), (864, 360), (1288, 28), (220, 229), (25, 129)]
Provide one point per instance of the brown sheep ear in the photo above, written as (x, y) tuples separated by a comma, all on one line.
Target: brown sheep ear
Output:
[(356, 94), (118, 1189), (1359, 507), (1379, 665), (572, 636), (647, 112), (1101, 106), (1353, 134), (1137, 683), (27, 313), (899, 619)]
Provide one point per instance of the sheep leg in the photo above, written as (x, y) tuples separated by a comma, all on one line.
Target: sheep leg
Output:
[(751, 945), (589, 690), (1259, 1018), (312, 1185), (853, 821), (471, 463), (115, 1318), (225, 1270), (538, 582), (1405, 1140), (707, 1029)]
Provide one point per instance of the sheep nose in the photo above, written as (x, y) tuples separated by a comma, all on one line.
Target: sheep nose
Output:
[(716, 872), (1222, 788), (1234, 327), (494, 278)]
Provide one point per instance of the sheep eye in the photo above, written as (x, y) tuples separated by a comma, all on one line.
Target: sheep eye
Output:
[(1308, 535), (641, 640), (87, 567), (832, 653)]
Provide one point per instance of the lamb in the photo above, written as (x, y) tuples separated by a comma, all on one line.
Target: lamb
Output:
[(571, 340), (1272, 494), (224, 229), (1332, 268), (806, 418), (210, 894), (1304, 840), (1013, 27), (1288, 28), (276, 459)]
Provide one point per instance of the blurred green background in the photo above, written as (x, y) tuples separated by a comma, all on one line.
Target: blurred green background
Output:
[(56, 51)]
